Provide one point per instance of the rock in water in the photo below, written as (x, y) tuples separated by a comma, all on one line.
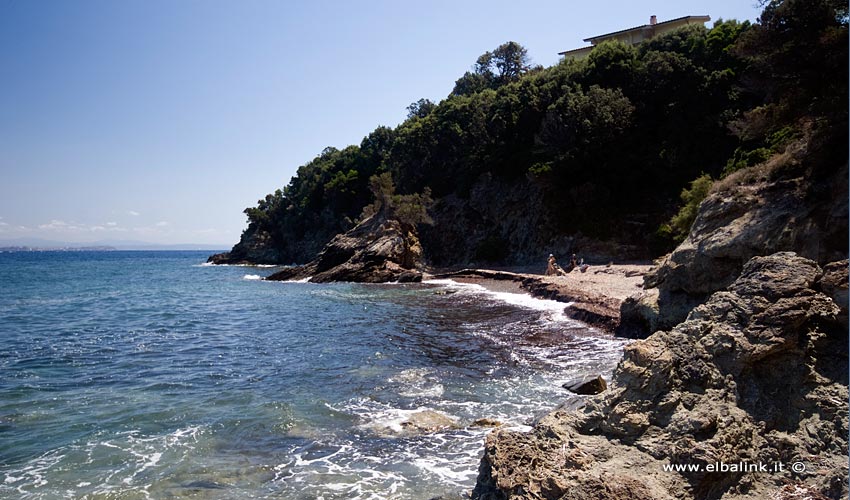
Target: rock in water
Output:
[(587, 386), (757, 375), (427, 421), (378, 250), (486, 422)]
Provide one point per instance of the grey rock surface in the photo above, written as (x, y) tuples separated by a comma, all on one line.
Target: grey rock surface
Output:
[(378, 250), (757, 374)]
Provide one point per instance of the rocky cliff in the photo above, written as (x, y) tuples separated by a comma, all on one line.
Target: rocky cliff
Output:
[(757, 374), (496, 221), (797, 201), (377, 250), (257, 246), (509, 221)]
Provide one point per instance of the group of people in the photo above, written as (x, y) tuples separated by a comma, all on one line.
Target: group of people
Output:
[(553, 269)]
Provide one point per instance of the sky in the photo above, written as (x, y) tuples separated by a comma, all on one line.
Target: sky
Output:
[(161, 121)]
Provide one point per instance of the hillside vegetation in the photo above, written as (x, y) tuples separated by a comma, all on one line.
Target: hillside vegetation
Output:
[(590, 155)]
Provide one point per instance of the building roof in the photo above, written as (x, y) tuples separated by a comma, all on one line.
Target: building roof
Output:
[(645, 26), (575, 50)]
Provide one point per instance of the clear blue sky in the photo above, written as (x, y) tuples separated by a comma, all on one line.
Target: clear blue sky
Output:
[(162, 120)]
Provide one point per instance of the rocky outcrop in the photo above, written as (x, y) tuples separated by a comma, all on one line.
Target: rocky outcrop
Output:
[(255, 247), (756, 375), (795, 202), (378, 250)]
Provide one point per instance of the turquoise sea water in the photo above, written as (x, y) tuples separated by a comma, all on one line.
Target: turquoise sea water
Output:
[(150, 375)]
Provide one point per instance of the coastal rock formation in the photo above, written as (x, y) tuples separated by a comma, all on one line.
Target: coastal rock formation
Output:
[(757, 374), (509, 221), (255, 247), (378, 250), (797, 201), (497, 220)]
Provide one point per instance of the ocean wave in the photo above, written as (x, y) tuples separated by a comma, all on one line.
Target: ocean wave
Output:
[(552, 309)]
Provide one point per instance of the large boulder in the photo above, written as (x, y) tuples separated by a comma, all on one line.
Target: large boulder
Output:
[(377, 250), (756, 375)]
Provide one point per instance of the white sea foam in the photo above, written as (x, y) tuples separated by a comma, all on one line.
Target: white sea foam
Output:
[(552, 309), (120, 460), (417, 382), (252, 277)]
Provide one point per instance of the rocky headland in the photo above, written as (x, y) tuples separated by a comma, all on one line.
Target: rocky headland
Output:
[(744, 357)]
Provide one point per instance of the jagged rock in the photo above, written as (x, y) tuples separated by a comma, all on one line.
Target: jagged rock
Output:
[(758, 373), (639, 315), (789, 209), (834, 283), (591, 386), (378, 250)]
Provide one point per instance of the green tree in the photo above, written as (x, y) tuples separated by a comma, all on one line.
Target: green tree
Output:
[(691, 198), (505, 64), (798, 55), (420, 108), (470, 83), (411, 209), (511, 61)]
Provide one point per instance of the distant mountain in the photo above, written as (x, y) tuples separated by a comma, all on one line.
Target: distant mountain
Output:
[(42, 244)]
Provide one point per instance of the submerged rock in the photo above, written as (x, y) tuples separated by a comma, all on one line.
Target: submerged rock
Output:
[(378, 250), (486, 422), (427, 421), (758, 374), (412, 424)]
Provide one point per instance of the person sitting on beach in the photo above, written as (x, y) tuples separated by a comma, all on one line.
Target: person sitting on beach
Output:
[(573, 263), (553, 269)]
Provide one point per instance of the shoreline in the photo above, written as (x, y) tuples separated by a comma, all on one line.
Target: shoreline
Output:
[(593, 297)]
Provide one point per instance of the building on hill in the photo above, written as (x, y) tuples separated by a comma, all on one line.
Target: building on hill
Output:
[(636, 35)]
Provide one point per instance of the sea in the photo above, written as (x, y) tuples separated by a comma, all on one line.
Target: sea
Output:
[(135, 375)]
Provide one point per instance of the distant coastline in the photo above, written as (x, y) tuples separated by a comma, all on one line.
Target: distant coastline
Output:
[(42, 245), (56, 249)]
